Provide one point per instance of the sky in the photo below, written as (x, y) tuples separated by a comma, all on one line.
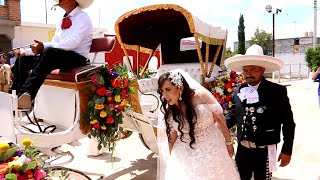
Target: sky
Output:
[(296, 17)]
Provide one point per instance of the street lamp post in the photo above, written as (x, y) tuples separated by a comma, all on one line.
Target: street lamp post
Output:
[(269, 10)]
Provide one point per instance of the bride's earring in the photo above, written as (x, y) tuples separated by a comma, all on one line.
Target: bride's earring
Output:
[(180, 98)]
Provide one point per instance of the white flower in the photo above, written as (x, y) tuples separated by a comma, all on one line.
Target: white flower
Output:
[(176, 78), (219, 90)]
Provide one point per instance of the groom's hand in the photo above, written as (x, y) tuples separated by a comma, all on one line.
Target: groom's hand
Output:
[(284, 159)]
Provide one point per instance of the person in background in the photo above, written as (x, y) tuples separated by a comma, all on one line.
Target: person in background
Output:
[(261, 109), (68, 49), (316, 76)]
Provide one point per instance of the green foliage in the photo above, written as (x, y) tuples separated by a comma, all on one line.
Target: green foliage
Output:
[(61, 174), (146, 74), (241, 36), (313, 58), (229, 53), (6, 155), (263, 39), (11, 176), (109, 90)]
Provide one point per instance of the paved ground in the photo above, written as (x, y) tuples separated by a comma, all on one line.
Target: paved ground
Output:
[(134, 161)]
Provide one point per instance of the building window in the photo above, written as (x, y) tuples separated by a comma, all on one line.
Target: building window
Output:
[(2, 3)]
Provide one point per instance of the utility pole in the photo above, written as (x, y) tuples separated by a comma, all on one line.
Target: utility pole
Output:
[(315, 25), (273, 40), (45, 6)]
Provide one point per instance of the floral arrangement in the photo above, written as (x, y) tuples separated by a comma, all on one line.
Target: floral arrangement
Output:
[(147, 73), (20, 163), (108, 90), (223, 87)]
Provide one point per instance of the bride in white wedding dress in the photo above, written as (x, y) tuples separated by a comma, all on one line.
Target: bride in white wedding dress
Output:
[(199, 142)]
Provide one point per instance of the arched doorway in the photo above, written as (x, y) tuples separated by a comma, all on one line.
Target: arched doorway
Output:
[(5, 43)]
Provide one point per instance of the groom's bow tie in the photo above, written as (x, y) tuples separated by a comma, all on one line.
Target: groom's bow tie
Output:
[(66, 23), (249, 93)]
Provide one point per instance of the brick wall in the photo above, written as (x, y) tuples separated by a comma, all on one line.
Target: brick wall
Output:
[(11, 10), (3, 12)]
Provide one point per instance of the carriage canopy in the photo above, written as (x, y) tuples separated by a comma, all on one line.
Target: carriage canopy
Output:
[(145, 29)]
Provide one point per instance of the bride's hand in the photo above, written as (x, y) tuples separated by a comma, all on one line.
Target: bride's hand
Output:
[(230, 150)]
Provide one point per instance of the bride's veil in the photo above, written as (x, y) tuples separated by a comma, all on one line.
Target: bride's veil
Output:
[(162, 138)]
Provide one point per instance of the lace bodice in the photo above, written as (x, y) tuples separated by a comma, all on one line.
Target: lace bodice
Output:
[(208, 159), (204, 126)]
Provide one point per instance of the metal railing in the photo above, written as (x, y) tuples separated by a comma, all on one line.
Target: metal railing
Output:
[(293, 71)]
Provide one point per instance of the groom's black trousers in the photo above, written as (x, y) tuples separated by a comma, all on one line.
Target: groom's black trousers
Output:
[(50, 59), (253, 161)]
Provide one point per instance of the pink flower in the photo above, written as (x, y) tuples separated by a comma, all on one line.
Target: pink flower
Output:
[(28, 159), (96, 126), (112, 106), (39, 174), (94, 79), (108, 93)]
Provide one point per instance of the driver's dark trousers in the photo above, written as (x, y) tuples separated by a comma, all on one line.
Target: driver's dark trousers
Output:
[(41, 66)]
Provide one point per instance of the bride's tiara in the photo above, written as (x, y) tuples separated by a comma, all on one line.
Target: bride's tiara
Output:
[(176, 78)]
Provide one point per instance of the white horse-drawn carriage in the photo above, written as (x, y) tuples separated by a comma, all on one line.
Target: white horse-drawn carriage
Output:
[(184, 42)]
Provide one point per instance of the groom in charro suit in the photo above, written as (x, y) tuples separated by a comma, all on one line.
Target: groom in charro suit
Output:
[(261, 109)]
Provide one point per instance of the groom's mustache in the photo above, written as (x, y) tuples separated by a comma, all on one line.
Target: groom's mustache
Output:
[(250, 77)]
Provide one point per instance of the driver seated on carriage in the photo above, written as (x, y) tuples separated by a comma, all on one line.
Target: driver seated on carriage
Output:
[(68, 49)]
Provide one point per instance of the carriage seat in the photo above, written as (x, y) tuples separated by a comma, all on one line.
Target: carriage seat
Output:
[(150, 85), (193, 69), (104, 44)]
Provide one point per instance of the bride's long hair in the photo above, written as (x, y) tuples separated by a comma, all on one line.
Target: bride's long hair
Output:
[(175, 112)]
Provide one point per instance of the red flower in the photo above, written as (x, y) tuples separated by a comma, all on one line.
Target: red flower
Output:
[(216, 95), (227, 99), (93, 88), (116, 83), (30, 174), (221, 100), (124, 93), (94, 79), (110, 120), (120, 108), (125, 82), (227, 86), (23, 176), (110, 100), (101, 91), (233, 74)]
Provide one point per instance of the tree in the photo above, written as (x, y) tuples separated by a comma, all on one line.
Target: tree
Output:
[(313, 58), (229, 53), (263, 39), (241, 36)]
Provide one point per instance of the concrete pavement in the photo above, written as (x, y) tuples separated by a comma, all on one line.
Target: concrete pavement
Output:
[(134, 161)]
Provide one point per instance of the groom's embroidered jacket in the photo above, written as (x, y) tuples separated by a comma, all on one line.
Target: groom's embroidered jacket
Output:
[(261, 122)]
